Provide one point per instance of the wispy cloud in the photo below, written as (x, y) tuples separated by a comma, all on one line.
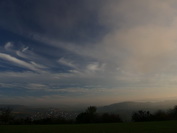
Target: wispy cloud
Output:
[(88, 45), (67, 63), (19, 62), (8, 45), (95, 66)]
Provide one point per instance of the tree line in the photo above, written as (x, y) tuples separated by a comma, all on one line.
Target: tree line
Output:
[(159, 115), (90, 115)]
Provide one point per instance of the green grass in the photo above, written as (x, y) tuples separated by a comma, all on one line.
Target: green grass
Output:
[(140, 127)]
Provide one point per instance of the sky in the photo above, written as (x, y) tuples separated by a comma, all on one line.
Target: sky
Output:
[(93, 52)]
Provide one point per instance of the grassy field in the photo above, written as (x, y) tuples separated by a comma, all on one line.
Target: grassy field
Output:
[(143, 127)]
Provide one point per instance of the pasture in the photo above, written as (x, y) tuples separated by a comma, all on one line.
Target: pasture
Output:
[(131, 127)]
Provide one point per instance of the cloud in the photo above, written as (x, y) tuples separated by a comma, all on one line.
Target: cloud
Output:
[(25, 49), (127, 14), (67, 63), (140, 36), (140, 41), (144, 39), (93, 99), (38, 65), (132, 46), (19, 62), (32, 57), (8, 46), (95, 67)]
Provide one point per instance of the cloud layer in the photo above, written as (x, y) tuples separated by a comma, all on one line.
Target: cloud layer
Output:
[(116, 49)]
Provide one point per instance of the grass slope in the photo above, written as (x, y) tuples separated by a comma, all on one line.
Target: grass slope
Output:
[(142, 127)]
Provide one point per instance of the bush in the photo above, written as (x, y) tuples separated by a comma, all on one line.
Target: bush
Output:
[(142, 116)]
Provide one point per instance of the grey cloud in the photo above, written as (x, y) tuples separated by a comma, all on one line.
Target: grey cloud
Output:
[(140, 43), (8, 46), (141, 35), (126, 14), (67, 63), (55, 19), (19, 62)]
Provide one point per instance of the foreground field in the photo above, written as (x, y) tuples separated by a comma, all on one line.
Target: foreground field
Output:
[(143, 127)]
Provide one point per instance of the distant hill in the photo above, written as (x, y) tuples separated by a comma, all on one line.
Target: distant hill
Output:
[(125, 109), (138, 105)]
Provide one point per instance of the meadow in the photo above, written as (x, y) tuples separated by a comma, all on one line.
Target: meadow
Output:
[(129, 127)]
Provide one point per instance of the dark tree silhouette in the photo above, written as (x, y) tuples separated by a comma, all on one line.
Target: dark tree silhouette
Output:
[(6, 116), (89, 116), (142, 116), (160, 115), (173, 113), (91, 110)]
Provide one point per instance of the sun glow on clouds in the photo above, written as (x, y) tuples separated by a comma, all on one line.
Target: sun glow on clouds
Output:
[(133, 51)]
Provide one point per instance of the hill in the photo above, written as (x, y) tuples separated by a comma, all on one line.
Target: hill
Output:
[(125, 109)]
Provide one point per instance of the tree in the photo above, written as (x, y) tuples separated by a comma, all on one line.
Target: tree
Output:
[(142, 116), (160, 116), (173, 113), (91, 110), (6, 116), (89, 116)]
